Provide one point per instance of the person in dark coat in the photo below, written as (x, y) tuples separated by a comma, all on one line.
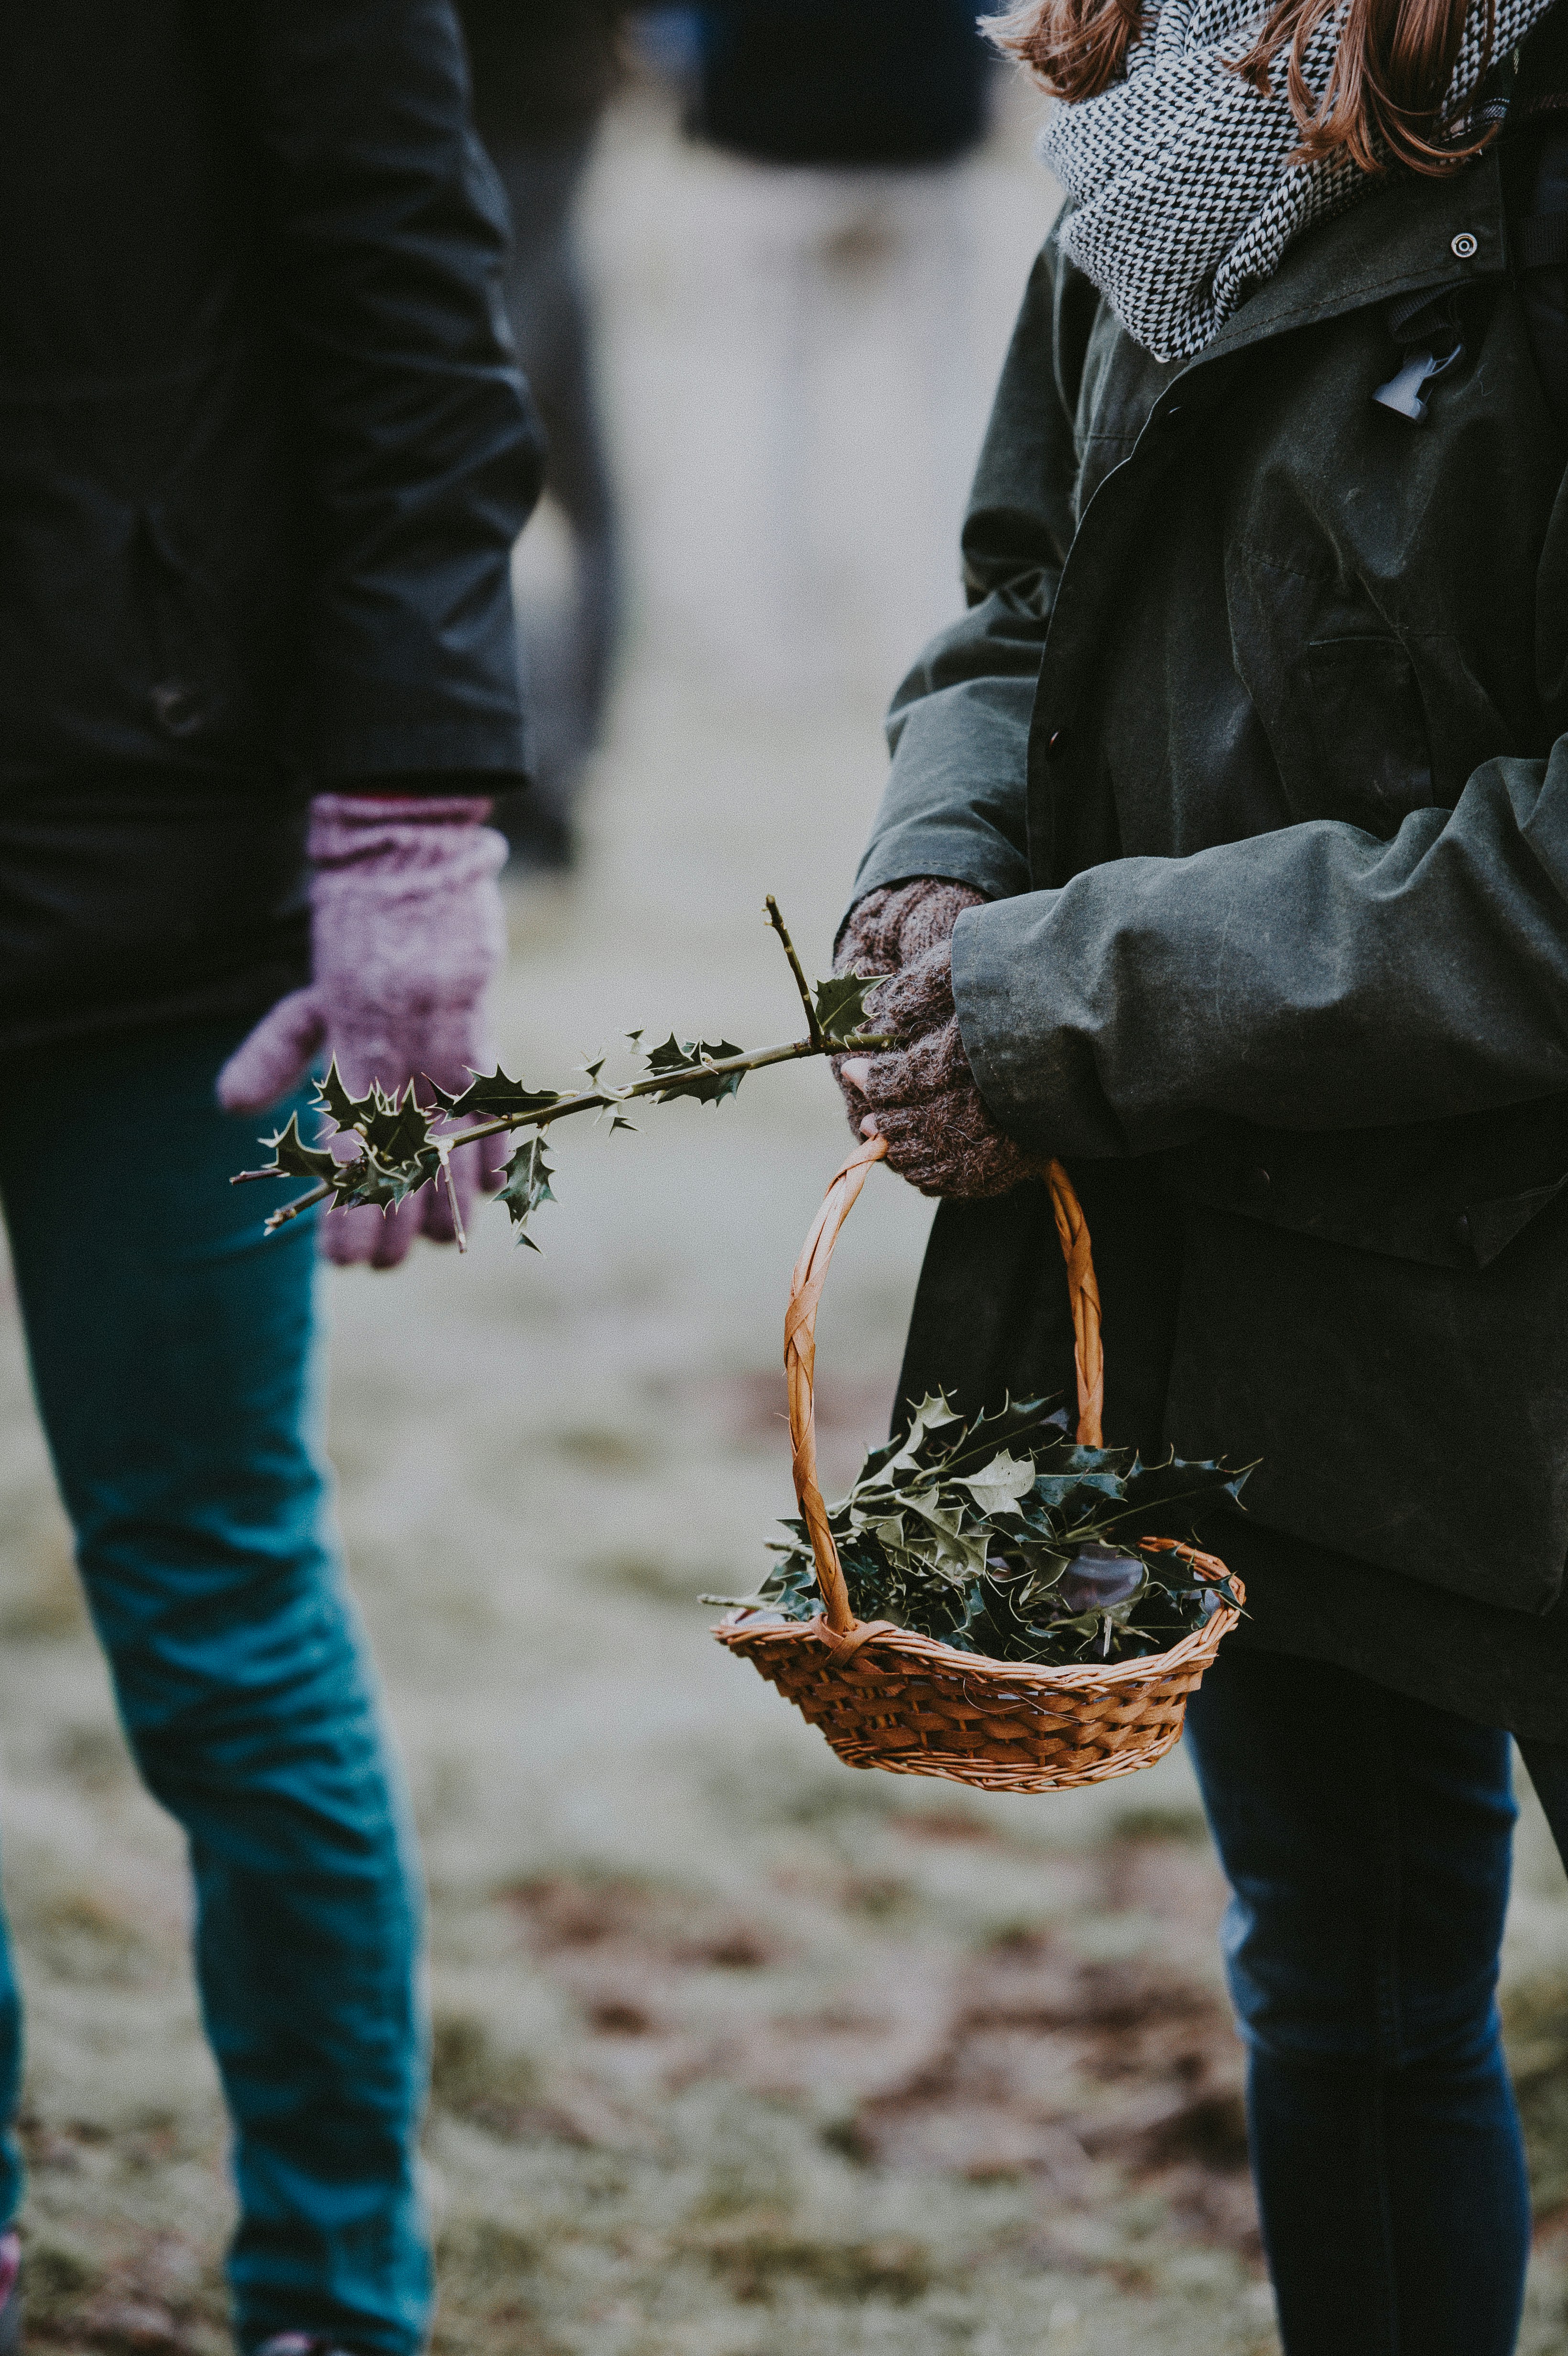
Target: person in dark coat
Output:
[(841, 83), (1226, 854), (265, 455), (543, 71)]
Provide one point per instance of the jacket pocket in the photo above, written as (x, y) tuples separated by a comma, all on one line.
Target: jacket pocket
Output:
[(1370, 730), (1409, 1406)]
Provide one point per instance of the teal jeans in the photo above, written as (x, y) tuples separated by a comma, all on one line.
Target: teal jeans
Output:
[(174, 1360)]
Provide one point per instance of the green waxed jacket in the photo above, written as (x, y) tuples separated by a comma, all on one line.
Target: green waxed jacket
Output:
[(1257, 734)]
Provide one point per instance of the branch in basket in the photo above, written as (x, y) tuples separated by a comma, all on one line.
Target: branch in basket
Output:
[(1008, 1537), (403, 1145)]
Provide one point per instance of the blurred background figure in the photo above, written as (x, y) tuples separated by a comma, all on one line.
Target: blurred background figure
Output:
[(542, 71), (841, 83), (265, 457), (846, 272)]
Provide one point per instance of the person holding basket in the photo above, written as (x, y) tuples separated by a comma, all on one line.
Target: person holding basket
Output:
[(1225, 856)]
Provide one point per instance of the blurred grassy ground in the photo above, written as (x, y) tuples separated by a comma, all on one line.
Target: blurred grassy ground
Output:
[(737, 2052)]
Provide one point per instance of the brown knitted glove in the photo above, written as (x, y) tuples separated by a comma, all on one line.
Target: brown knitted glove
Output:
[(899, 922), (921, 1096)]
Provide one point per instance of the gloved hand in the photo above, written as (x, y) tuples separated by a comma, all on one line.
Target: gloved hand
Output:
[(921, 1096), (406, 934)]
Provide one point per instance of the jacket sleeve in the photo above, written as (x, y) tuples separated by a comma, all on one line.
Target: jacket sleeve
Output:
[(958, 728), (1316, 978), (385, 229)]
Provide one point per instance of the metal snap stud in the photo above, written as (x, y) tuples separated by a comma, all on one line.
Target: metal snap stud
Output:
[(1465, 246), (176, 707)]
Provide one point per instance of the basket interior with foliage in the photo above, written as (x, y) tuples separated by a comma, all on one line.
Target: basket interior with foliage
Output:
[(1032, 1617)]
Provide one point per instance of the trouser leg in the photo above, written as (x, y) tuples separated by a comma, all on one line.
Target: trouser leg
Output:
[(173, 1355), (12, 2174), (1366, 1839), (548, 307), (1548, 1765)]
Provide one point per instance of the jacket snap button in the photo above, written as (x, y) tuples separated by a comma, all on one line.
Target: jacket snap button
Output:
[(176, 708), (1465, 246), (1056, 745), (1258, 1180)]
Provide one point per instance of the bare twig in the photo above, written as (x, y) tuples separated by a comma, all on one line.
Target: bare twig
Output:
[(451, 1198), (776, 920)]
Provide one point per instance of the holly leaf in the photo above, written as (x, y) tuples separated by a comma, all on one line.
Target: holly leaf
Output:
[(385, 1183), (1000, 1484), (1014, 1421), (683, 1061), (333, 1099), (1164, 1499), (841, 1003), (396, 1129), (398, 1157), (928, 1439), (493, 1096), (292, 1158), (527, 1186)]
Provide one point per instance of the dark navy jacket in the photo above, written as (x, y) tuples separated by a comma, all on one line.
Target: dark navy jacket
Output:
[(263, 453)]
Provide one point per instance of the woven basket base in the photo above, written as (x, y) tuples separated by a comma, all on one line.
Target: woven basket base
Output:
[(914, 1707)]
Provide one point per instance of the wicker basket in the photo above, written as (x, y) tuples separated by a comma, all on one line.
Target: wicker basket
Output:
[(886, 1698)]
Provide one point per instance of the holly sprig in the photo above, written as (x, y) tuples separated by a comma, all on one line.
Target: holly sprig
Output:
[(404, 1144), (1007, 1536)]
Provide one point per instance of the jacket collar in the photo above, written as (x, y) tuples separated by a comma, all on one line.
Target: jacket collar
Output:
[(1396, 240)]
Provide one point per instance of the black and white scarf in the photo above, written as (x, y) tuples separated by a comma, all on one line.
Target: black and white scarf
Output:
[(1185, 195)]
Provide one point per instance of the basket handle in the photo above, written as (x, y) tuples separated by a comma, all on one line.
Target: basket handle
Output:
[(800, 1348)]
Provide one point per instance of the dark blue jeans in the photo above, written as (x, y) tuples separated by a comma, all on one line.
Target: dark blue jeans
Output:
[(1367, 1841), (173, 1358)]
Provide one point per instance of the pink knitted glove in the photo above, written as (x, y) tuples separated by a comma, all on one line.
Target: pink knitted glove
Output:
[(406, 934), (921, 1096)]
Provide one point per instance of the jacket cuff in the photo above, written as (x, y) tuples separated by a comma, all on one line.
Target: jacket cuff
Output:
[(1038, 1079), (337, 759), (417, 785)]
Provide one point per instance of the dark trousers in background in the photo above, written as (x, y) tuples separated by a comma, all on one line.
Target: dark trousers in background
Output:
[(567, 656), (1367, 1839), (174, 1356)]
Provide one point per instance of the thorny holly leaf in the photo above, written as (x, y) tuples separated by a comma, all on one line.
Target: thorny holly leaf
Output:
[(334, 1098), (396, 1132), (1004, 1481), (292, 1158), (493, 1097), (841, 1003), (381, 1183), (679, 1056), (527, 1186), (995, 1536)]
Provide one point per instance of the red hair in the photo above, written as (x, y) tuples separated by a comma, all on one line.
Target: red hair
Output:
[(1384, 100)]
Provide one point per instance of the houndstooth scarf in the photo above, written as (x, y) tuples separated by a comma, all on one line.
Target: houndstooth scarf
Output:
[(1186, 197)]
